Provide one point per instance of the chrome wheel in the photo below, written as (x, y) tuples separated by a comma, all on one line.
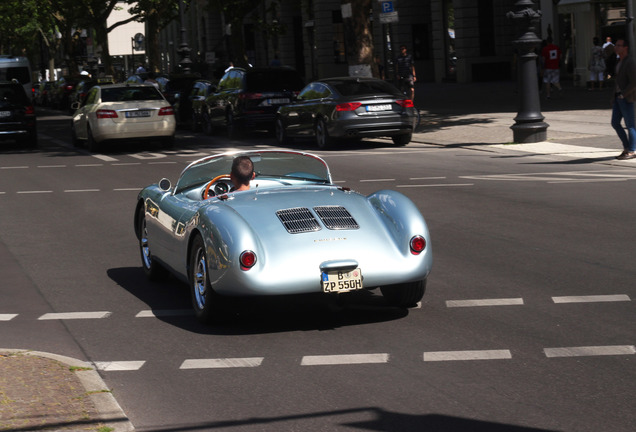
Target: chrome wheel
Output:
[(154, 271), (322, 136), (200, 277)]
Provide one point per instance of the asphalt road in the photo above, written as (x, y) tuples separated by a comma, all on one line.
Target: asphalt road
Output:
[(527, 323)]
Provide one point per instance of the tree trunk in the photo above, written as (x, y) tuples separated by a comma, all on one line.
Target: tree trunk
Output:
[(358, 38)]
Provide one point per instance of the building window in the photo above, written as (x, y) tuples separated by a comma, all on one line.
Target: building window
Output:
[(339, 53)]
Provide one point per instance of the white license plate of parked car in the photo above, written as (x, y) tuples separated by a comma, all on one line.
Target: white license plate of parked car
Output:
[(342, 281), (374, 108), (5, 114), (140, 113)]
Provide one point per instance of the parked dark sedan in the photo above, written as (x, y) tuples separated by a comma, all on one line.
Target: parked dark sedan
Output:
[(201, 89), (17, 115), (346, 108), (249, 98)]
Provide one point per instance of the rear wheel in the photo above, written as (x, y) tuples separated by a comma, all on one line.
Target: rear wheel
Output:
[(205, 302), (93, 146), (154, 271), (207, 124), (323, 139), (233, 129), (402, 140), (404, 295)]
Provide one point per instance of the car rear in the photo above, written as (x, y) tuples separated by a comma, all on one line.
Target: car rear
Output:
[(127, 112), (17, 114), (265, 90)]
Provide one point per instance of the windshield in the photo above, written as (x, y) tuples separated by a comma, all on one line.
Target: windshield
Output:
[(277, 164), (360, 87), (130, 93)]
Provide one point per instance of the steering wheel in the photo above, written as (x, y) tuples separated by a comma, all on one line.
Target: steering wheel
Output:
[(206, 193)]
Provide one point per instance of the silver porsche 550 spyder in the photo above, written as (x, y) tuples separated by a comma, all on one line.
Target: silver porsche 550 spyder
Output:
[(292, 232)]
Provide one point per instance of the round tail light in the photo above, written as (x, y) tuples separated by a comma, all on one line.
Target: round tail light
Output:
[(247, 259), (418, 244)]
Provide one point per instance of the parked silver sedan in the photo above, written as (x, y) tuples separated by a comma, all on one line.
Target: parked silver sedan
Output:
[(123, 112)]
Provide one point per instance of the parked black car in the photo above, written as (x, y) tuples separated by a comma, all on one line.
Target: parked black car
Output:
[(249, 98), (17, 115), (347, 108), (177, 90)]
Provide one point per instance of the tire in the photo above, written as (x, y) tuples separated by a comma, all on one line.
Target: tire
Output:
[(404, 295), (168, 142), (153, 270), (93, 146), (402, 140), (279, 131), (323, 140), (194, 124), (74, 139), (207, 124), (233, 129), (205, 302)]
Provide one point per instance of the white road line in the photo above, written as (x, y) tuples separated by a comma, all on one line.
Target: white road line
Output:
[(75, 315), (376, 180), (437, 185), (344, 359), (426, 178), (119, 366), (104, 157), (590, 351), (128, 189), (484, 302), (14, 167), (162, 163), (35, 192), (164, 313), (51, 166), (467, 355), (7, 317), (222, 363), (81, 190), (89, 165), (127, 164), (591, 298)]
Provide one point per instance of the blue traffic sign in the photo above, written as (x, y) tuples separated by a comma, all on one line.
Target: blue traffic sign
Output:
[(387, 7)]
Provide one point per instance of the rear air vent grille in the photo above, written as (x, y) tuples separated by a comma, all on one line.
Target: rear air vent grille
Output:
[(336, 218), (298, 220)]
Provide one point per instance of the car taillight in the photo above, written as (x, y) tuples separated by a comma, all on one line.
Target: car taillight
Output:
[(247, 259), (29, 110), (251, 96), (104, 114), (418, 244), (348, 106), (166, 111), (405, 103)]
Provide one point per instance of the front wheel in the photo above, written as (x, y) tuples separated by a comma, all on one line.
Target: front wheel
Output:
[(281, 135), (205, 301), (402, 140), (404, 295), (153, 270)]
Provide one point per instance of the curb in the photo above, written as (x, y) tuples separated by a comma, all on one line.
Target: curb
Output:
[(110, 413)]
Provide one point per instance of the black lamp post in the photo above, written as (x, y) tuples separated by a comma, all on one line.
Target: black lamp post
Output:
[(529, 125), (184, 49)]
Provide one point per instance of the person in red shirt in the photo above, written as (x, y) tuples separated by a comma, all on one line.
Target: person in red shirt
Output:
[(551, 60)]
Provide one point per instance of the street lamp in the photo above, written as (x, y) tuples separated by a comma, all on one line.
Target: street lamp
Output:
[(184, 49), (529, 125)]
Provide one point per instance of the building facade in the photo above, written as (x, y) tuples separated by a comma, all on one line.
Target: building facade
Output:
[(450, 40)]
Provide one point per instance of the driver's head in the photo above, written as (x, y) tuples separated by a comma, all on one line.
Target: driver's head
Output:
[(242, 171)]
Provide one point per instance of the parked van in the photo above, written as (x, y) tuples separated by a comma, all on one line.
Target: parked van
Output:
[(19, 68)]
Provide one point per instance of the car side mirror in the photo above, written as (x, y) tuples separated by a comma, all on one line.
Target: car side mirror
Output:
[(165, 185)]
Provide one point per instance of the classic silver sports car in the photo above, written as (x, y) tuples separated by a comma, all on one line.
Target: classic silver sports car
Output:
[(292, 232)]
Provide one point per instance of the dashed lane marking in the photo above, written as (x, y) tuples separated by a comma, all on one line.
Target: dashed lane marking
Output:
[(7, 317), (437, 185), (585, 351), (222, 363), (592, 298), (75, 315), (484, 302), (503, 354), (35, 192), (117, 366), (346, 359), (164, 313)]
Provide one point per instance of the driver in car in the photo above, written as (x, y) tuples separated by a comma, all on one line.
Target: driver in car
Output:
[(242, 173)]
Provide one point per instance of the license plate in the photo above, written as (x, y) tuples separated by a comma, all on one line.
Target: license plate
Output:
[(374, 108), (5, 114), (135, 114), (342, 281), (278, 101)]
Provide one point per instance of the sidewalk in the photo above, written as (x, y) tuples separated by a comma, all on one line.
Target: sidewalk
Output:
[(40, 391)]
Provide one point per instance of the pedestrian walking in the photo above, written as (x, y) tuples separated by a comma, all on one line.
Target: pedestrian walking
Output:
[(596, 65), (624, 96), (551, 59)]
